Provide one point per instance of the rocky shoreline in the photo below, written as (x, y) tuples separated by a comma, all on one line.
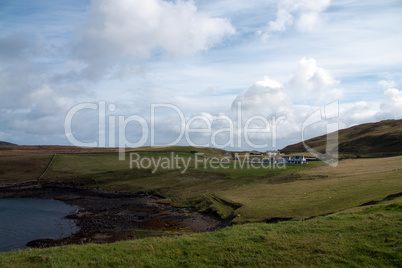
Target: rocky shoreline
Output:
[(106, 217)]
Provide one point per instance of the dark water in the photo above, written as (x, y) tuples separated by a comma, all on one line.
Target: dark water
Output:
[(26, 219)]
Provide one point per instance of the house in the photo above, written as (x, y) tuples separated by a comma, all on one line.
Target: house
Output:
[(294, 159), (284, 160), (298, 159), (272, 152), (228, 154)]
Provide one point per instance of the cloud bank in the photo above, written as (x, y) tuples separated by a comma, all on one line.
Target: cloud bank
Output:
[(126, 30)]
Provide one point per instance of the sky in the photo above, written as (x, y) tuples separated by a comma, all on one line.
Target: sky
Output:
[(231, 74)]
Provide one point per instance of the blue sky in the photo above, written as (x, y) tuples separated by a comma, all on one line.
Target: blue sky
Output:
[(280, 59)]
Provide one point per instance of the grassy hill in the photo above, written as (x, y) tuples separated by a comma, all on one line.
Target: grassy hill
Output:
[(367, 140)]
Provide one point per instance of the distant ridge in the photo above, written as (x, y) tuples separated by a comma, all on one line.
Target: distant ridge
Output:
[(383, 138), (6, 143)]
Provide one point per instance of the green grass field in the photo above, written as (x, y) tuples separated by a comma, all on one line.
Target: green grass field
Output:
[(195, 185), (252, 193), (370, 237)]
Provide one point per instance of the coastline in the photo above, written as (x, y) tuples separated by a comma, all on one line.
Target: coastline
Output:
[(106, 217)]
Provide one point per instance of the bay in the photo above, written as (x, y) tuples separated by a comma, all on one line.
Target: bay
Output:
[(26, 219)]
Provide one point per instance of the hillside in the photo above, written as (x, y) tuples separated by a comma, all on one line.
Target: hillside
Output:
[(6, 143), (367, 140)]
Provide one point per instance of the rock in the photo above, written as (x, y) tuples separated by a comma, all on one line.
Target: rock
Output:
[(41, 243)]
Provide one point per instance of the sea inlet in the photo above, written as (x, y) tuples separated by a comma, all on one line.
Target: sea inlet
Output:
[(26, 219)]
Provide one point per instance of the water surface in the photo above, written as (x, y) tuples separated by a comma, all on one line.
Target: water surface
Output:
[(26, 219)]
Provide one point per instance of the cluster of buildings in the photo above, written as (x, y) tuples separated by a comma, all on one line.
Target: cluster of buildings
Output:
[(275, 157), (294, 159)]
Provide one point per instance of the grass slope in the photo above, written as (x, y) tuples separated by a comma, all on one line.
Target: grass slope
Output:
[(367, 140), (368, 238), (319, 190)]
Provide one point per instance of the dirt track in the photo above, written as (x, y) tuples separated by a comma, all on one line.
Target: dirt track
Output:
[(107, 217)]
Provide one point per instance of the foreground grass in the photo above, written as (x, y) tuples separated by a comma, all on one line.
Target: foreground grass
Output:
[(368, 238)]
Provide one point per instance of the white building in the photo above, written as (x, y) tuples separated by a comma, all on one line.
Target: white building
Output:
[(272, 152), (298, 159), (294, 159)]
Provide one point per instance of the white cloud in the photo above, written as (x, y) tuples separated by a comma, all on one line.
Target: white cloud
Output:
[(308, 21), (136, 29), (311, 85), (357, 113), (264, 97), (391, 105), (387, 83), (314, 83), (304, 14), (283, 19), (274, 100)]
